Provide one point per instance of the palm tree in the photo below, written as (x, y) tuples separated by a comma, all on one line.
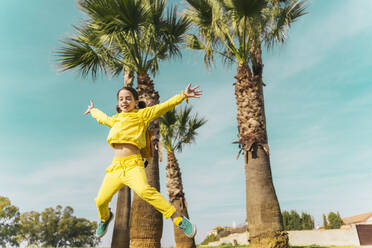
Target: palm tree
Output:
[(236, 30), (120, 236), (87, 53), (178, 128), (136, 35)]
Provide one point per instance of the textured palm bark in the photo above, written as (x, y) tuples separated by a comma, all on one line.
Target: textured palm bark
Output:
[(146, 223), (120, 237), (128, 77), (262, 206), (177, 198), (270, 239)]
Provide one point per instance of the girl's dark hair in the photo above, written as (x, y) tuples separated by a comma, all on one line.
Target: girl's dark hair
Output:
[(141, 104)]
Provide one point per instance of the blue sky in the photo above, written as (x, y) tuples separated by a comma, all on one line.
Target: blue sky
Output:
[(317, 101)]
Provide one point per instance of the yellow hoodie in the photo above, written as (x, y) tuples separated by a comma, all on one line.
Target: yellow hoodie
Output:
[(130, 127)]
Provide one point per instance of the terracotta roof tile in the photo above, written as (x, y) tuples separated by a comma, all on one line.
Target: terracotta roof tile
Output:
[(357, 218)]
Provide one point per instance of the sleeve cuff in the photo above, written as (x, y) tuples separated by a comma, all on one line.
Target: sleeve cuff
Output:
[(93, 111), (184, 96)]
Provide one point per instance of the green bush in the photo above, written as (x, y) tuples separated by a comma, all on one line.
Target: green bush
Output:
[(293, 221), (210, 238)]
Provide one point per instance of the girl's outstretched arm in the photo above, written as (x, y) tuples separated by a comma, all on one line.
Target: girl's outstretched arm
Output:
[(158, 110), (101, 117)]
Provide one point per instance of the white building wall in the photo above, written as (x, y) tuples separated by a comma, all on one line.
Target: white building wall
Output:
[(241, 239), (339, 237)]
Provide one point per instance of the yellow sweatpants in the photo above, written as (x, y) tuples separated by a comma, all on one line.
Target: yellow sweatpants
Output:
[(129, 171)]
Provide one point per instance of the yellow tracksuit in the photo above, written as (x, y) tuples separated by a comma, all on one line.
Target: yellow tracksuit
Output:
[(130, 127)]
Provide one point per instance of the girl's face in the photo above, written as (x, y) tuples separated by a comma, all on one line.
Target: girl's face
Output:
[(126, 101)]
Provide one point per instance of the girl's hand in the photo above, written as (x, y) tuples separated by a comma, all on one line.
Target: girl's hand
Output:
[(90, 107), (193, 92)]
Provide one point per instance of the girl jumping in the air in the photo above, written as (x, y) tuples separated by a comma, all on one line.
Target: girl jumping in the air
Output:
[(128, 136)]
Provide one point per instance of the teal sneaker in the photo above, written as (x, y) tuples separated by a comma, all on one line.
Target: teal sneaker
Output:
[(102, 226), (185, 224)]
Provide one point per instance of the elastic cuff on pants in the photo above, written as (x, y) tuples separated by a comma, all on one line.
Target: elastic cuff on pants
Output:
[(170, 212)]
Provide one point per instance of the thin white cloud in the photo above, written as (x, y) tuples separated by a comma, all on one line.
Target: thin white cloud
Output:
[(74, 181)]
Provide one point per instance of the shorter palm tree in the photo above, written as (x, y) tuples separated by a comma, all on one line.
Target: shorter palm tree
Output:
[(177, 128)]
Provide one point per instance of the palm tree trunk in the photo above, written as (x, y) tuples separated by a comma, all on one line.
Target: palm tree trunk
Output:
[(177, 198), (128, 77), (262, 206), (120, 236), (146, 223)]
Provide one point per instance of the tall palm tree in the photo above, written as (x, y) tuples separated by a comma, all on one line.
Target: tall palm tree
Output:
[(237, 30), (137, 35), (120, 236), (177, 128), (88, 54)]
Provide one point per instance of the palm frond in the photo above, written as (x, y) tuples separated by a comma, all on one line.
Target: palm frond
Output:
[(166, 135), (193, 42), (183, 117), (215, 29), (156, 12), (189, 137), (205, 14), (200, 13), (131, 33), (228, 59), (281, 20), (167, 123), (169, 118), (244, 8), (178, 128), (84, 52), (175, 30), (116, 15), (234, 29)]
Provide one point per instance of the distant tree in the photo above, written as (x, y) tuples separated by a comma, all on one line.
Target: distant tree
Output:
[(307, 221), (49, 226), (58, 228), (53, 227), (334, 220), (325, 222), (29, 230), (286, 217), (294, 221), (9, 219), (75, 231), (341, 222)]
